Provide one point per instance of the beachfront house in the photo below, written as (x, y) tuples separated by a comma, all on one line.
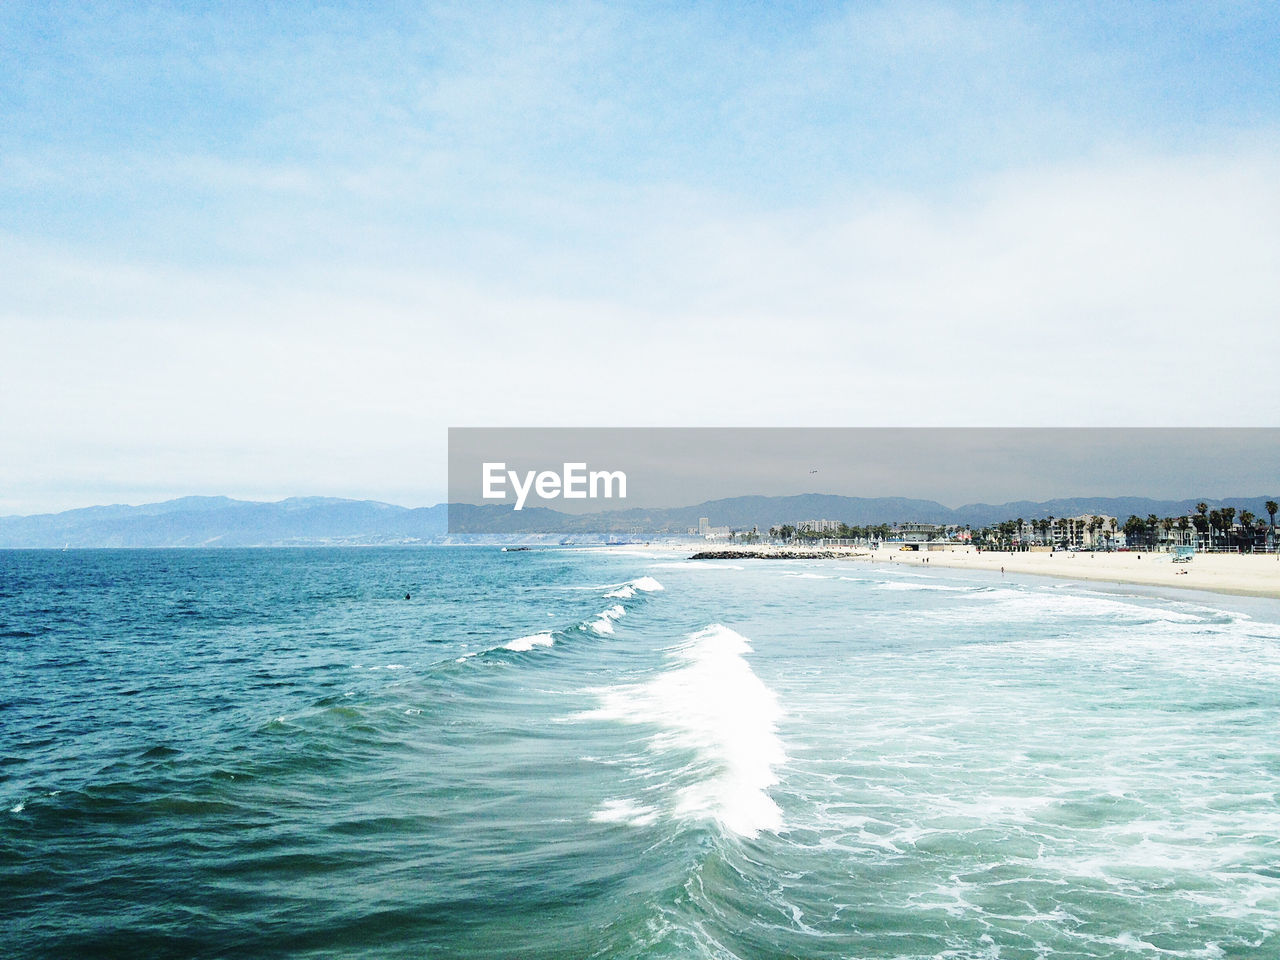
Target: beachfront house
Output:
[(1085, 532)]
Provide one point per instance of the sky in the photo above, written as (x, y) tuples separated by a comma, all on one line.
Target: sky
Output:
[(265, 250)]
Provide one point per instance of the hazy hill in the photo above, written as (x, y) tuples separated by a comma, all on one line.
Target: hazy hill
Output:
[(223, 522)]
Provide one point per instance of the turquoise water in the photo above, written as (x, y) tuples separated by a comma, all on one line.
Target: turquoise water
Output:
[(576, 754)]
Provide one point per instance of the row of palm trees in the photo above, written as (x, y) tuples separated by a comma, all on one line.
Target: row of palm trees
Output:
[(1215, 529), (1219, 526), (844, 531), (1008, 532)]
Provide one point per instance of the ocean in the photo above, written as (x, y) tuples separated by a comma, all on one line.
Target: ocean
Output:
[(555, 753)]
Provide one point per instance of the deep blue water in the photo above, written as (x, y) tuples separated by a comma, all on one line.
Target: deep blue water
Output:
[(553, 753)]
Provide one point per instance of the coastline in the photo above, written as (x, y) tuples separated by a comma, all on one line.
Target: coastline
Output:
[(1248, 575)]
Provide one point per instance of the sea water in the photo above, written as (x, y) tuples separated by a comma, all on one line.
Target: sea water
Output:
[(465, 752)]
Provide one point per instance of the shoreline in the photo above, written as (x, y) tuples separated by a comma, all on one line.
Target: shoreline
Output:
[(1244, 575), (1247, 575)]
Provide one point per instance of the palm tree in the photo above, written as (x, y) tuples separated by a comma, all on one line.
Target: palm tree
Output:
[(1201, 523), (1247, 522), (1215, 523), (1272, 507), (1228, 521), (1007, 528), (1133, 530)]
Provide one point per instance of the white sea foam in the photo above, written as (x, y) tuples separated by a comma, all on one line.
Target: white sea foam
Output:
[(625, 591), (17, 808), (1019, 605), (712, 703), (604, 623), (625, 811), (525, 644)]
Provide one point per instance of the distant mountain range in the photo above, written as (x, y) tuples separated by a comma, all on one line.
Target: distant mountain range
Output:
[(320, 521), (223, 522)]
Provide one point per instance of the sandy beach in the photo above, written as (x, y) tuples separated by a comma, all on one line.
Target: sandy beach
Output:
[(1256, 575)]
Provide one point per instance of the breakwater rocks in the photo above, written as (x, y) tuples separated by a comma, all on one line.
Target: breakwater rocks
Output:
[(773, 555)]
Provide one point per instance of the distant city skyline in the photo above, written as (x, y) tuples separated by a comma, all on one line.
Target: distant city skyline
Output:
[(264, 251)]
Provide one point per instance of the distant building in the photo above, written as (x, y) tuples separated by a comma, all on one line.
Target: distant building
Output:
[(708, 532), (1087, 532), (916, 532), (818, 526)]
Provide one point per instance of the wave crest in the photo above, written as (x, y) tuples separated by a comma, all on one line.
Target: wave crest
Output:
[(525, 644), (713, 704), (628, 590)]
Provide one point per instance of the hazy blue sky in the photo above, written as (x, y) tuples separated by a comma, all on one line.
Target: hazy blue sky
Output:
[(265, 250)]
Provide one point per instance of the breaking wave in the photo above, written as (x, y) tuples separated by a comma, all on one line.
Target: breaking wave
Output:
[(712, 704)]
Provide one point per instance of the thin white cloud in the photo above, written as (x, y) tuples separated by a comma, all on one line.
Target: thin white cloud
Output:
[(1133, 290), (264, 261)]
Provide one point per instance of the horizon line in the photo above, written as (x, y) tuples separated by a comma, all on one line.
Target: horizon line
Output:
[(620, 508)]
